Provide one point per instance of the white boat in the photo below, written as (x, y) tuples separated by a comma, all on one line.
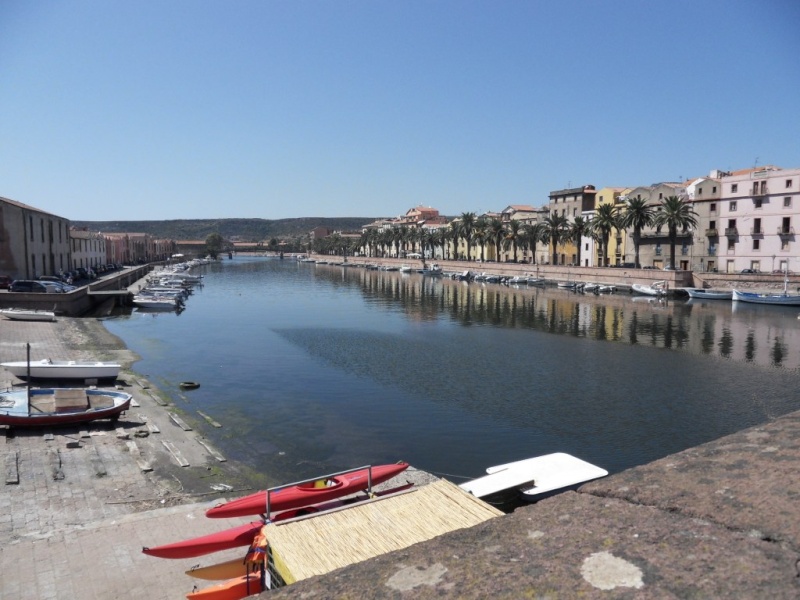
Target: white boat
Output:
[(433, 269), (535, 477), (784, 299), (566, 285), (24, 314), (62, 369), (60, 406), (160, 302), (709, 294), (518, 280), (657, 288), (405, 269)]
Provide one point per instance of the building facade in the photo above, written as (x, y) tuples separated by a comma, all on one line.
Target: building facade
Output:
[(32, 242)]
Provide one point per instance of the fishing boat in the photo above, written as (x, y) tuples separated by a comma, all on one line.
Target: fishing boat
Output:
[(26, 314), (62, 369), (780, 299), (60, 406), (243, 535), (534, 478), (156, 302), (704, 294), (308, 492)]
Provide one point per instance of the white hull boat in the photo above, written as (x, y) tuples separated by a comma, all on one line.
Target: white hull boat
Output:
[(535, 478), (63, 369), (23, 314), (657, 288), (158, 302), (709, 294)]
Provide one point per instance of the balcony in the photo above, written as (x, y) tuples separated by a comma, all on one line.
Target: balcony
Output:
[(785, 231), (759, 191), (757, 231), (731, 232), (712, 232)]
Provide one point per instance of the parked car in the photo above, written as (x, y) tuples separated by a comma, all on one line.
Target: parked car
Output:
[(28, 286), (49, 278), (5, 282), (750, 271)]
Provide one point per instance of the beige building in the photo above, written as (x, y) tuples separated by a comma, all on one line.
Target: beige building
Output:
[(571, 203), (32, 242), (654, 242)]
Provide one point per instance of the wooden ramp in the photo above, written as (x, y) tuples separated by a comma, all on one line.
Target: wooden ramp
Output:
[(313, 546)]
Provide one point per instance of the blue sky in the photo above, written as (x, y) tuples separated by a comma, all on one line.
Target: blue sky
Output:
[(177, 109)]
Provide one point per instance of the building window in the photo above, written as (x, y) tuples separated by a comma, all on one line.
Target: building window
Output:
[(788, 183), (712, 224), (699, 191), (734, 188), (731, 244), (784, 245), (757, 202), (787, 202), (713, 207), (755, 265), (714, 190), (660, 196), (756, 244), (733, 205)]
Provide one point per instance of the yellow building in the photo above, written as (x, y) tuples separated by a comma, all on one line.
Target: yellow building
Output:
[(616, 243)]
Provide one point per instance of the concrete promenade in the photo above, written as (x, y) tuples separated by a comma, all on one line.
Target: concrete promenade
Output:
[(718, 521)]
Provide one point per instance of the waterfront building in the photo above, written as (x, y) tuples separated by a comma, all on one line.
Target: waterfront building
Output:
[(705, 193), (614, 196), (570, 203), (654, 242), (32, 242), (88, 248), (758, 212)]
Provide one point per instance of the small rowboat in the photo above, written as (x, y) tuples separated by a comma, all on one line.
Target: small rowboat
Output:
[(189, 385), (303, 494), (63, 369), (24, 314), (243, 535), (60, 406)]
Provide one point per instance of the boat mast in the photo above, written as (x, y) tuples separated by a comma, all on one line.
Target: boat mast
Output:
[(28, 378)]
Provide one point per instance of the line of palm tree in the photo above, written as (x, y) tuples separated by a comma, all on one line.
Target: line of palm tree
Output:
[(675, 213), (496, 235), (467, 229), (512, 235), (480, 235)]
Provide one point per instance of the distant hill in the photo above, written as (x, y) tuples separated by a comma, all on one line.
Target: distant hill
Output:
[(248, 230)]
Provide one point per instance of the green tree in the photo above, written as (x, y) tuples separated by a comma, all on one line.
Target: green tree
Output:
[(554, 230), (638, 215), (480, 235), (675, 213), (605, 219), (467, 229), (576, 231), (214, 243), (513, 235), (496, 235)]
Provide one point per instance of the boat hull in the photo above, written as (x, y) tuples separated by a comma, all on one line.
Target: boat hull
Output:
[(649, 290), (709, 294), (297, 496), (773, 299), (234, 537), (47, 369), (17, 411), (17, 314)]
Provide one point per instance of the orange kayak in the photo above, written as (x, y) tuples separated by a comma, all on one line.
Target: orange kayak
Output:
[(224, 570), (296, 496), (233, 589)]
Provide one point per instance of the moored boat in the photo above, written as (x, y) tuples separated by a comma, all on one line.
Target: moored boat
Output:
[(708, 294), (783, 299), (60, 406), (306, 493), (63, 369), (657, 289)]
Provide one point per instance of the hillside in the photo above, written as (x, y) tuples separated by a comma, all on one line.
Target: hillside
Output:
[(243, 229)]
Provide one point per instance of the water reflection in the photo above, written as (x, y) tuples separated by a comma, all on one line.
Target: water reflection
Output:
[(764, 335)]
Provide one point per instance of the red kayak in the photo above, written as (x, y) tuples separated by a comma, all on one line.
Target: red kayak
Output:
[(243, 535), (296, 496)]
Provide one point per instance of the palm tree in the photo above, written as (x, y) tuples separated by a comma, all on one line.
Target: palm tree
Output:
[(675, 213), (513, 235), (638, 215), (467, 229), (605, 219), (576, 231), (453, 235), (480, 235), (532, 234), (554, 229), (496, 235)]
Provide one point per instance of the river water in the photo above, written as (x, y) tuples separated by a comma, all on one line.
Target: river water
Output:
[(318, 368)]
